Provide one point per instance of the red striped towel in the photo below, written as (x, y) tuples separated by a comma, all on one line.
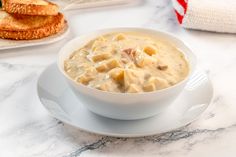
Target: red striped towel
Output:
[(210, 15)]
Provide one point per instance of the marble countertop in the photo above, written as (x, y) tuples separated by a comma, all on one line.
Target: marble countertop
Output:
[(27, 130)]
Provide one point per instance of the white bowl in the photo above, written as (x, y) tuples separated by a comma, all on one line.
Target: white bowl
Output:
[(125, 106)]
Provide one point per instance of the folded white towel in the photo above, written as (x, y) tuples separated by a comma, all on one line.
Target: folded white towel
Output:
[(210, 15)]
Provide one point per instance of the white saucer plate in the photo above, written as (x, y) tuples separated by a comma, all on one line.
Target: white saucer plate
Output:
[(11, 44), (59, 100)]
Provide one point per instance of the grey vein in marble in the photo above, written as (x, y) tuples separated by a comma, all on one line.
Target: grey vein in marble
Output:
[(163, 139), (96, 145), (11, 83)]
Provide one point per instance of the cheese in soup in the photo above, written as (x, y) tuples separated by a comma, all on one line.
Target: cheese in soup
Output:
[(127, 63)]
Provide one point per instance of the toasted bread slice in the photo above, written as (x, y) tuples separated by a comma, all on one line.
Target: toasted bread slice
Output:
[(25, 27), (30, 7)]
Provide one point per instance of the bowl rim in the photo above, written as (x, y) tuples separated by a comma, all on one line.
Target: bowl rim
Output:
[(192, 66)]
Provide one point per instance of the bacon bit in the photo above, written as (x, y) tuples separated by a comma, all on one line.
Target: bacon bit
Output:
[(124, 60), (162, 67), (130, 52)]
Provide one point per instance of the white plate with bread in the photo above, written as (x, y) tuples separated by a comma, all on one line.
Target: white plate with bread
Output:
[(27, 23)]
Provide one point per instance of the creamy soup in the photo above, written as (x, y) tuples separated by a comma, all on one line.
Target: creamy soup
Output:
[(127, 63)]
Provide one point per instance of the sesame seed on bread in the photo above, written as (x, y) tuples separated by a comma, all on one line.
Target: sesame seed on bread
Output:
[(25, 27), (30, 7)]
